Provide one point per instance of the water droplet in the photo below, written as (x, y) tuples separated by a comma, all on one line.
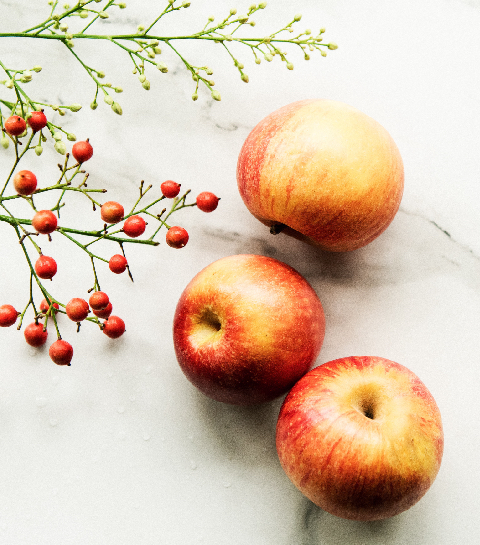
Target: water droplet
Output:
[(146, 436), (41, 401)]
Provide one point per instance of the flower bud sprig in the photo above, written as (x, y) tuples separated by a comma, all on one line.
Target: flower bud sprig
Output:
[(143, 46)]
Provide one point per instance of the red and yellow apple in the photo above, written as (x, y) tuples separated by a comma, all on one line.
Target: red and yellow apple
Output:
[(361, 437), (322, 171), (246, 328)]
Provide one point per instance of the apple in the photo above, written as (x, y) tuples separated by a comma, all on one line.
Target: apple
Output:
[(246, 328), (323, 172), (361, 437)]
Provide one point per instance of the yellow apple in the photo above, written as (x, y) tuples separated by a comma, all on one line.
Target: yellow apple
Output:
[(322, 171)]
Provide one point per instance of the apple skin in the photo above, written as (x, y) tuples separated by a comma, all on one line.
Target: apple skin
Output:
[(323, 172), (348, 463), (246, 328)]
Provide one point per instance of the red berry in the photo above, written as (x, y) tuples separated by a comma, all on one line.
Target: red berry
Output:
[(170, 189), (98, 300), (177, 237), (25, 182), (45, 305), (207, 202), (82, 151), (61, 352), (111, 212), (104, 313), (15, 125), (114, 327), (37, 121), (117, 264), (34, 334), (134, 226), (44, 222), (46, 267), (8, 315), (77, 309)]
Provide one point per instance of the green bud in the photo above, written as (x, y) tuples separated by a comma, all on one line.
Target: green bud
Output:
[(269, 57), (101, 74), (252, 7), (243, 18), (323, 53), (162, 67), (63, 27), (289, 65), (297, 17), (108, 99), (69, 36), (66, 6), (103, 15), (57, 136), (94, 105), (157, 50), (194, 96), (37, 68), (9, 84), (185, 4), (75, 107), (321, 31), (262, 5), (151, 54), (122, 5), (209, 71), (211, 18), (71, 137), (146, 85), (252, 23), (56, 25), (83, 14), (142, 78), (233, 11), (27, 75), (228, 37), (171, 1), (332, 46), (307, 57), (258, 60), (308, 32), (117, 108), (38, 150), (61, 112), (140, 28), (245, 78), (56, 17), (5, 141), (216, 95), (60, 148), (118, 89), (69, 43)]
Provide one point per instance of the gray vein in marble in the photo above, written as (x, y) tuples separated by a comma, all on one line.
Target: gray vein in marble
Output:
[(412, 248)]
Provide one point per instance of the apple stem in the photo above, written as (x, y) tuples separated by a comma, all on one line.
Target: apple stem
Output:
[(277, 228)]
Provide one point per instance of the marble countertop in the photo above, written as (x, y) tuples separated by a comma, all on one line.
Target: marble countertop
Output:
[(120, 448)]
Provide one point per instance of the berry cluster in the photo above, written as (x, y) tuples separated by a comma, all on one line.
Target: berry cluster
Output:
[(119, 226)]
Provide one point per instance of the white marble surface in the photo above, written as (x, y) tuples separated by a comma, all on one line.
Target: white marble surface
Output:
[(119, 448)]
